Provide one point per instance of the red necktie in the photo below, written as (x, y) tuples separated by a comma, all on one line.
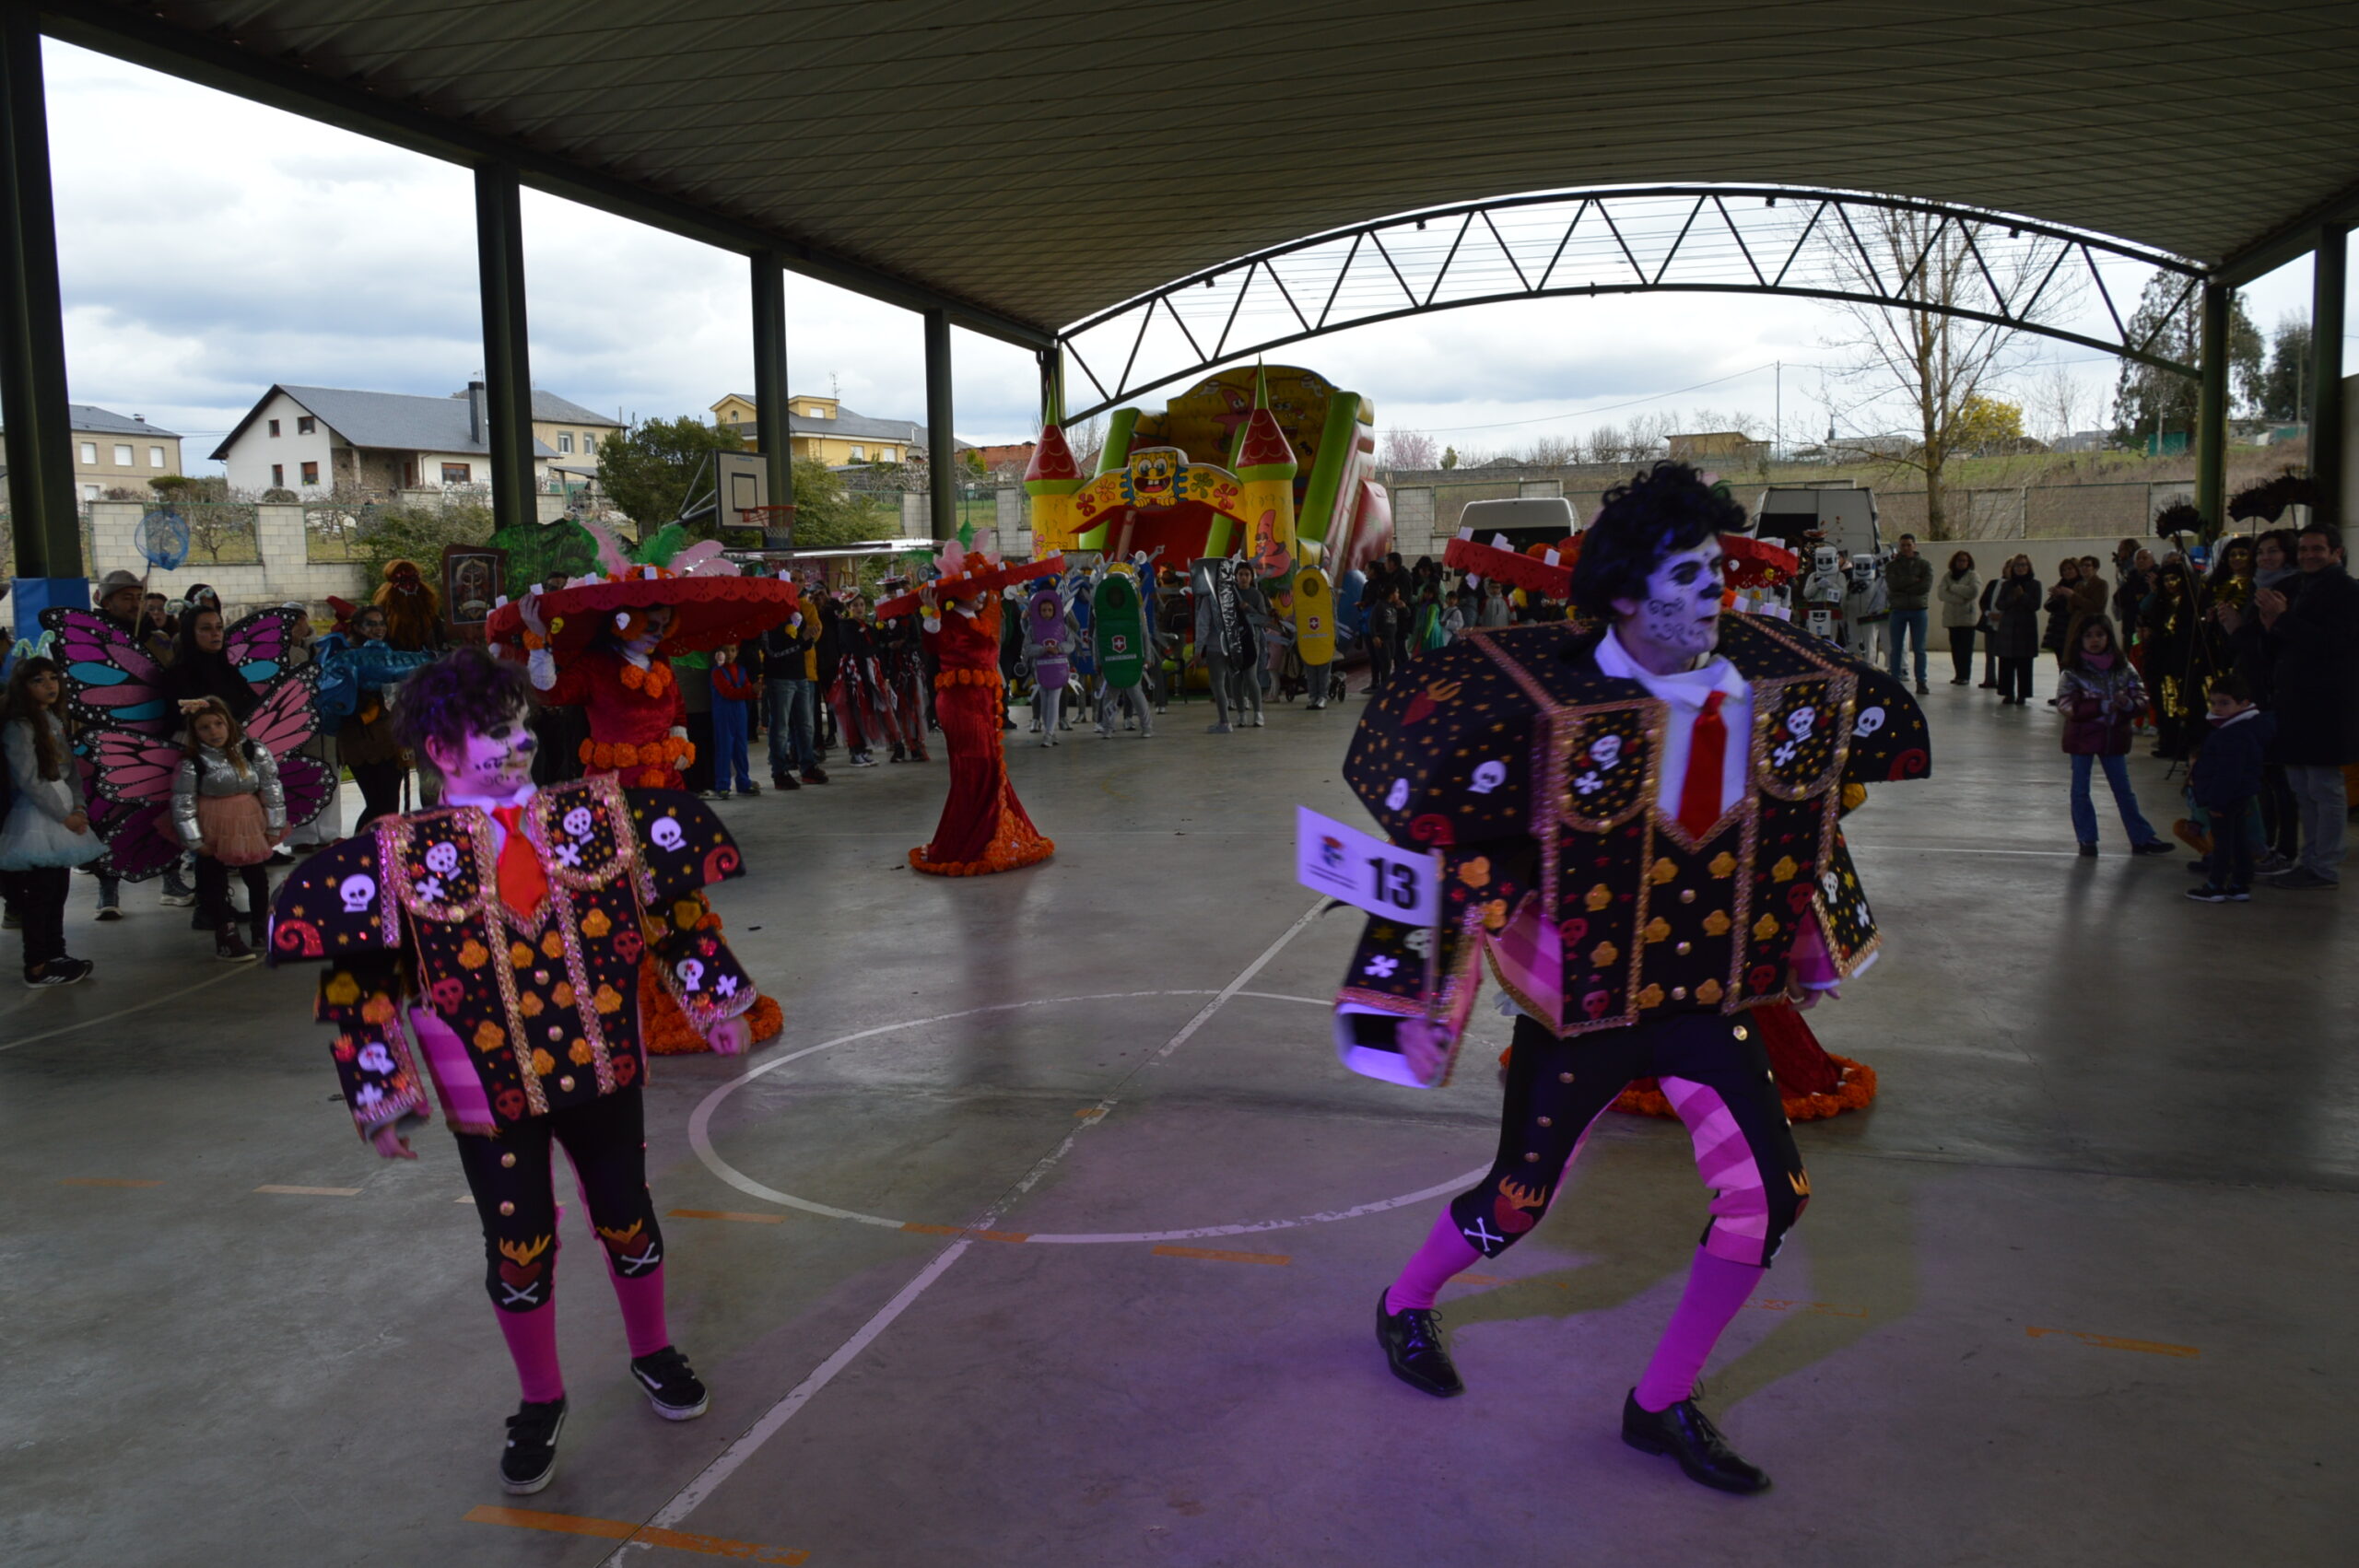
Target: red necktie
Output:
[(523, 882), (1699, 792)]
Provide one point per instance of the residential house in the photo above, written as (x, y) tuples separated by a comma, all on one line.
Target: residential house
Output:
[(823, 431), (314, 440), (1727, 446), (569, 430), (119, 451), (1006, 459)]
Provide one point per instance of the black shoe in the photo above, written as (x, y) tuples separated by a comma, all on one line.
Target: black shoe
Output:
[(1688, 1435), (2088, 852), (1922, 688), (671, 1387), (2301, 878), (1412, 1341), (59, 972), (785, 781), (2207, 893), (815, 776), (2153, 846), (530, 1459)]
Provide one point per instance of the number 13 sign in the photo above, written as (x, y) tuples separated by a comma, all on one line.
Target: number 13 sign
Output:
[(1366, 871)]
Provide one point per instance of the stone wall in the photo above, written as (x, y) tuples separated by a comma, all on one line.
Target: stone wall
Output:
[(284, 573)]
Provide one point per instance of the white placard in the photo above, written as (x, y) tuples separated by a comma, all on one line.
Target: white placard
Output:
[(1366, 871)]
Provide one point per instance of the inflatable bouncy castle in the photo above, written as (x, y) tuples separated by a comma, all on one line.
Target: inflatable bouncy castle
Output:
[(1258, 463)]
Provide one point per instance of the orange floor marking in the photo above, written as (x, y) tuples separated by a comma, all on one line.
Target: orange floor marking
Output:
[(963, 1230), (104, 1181), (1206, 1252), (312, 1191), (2116, 1342), (644, 1535), (1484, 1280), (724, 1214)]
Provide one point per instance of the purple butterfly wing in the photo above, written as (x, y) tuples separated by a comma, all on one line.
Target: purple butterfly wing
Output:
[(289, 719), (110, 679), (133, 769), (142, 843), (259, 645)]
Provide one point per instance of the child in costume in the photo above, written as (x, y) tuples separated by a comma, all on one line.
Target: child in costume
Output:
[(508, 927), (983, 826), (1639, 827), (230, 810), (47, 830), (1050, 637), (734, 693)]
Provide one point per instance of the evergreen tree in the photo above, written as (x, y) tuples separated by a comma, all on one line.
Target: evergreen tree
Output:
[(2147, 400)]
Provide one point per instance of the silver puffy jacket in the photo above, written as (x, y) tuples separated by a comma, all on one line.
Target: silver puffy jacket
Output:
[(211, 772)]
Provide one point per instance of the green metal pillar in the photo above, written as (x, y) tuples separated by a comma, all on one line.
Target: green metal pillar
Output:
[(2327, 292), (45, 511), (507, 352), (2211, 408), (941, 447), (771, 430)]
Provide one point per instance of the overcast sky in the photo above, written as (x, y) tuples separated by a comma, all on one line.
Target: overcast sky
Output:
[(210, 247)]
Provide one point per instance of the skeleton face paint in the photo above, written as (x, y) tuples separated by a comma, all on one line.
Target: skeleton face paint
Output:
[(1679, 620), (494, 763)]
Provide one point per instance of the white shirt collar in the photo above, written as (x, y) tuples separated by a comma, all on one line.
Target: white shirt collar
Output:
[(1687, 688), (487, 807)]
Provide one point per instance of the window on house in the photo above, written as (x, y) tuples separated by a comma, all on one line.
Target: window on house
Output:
[(91, 453), (122, 458), (278, 475), (565, 440), (306, 426), (89, 492), (310, 474), (155, 457), (274, 426), (860, 454), (458, 474)]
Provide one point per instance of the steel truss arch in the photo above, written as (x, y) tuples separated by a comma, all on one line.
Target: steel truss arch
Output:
[(1848, 247)]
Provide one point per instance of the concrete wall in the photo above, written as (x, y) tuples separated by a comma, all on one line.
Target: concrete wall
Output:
[(284, 573)]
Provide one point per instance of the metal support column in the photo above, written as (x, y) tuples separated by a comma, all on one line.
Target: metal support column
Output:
[(941, 447), (507, 352), (2212, 407), (45, 509), (2327, 288), (770, 410)]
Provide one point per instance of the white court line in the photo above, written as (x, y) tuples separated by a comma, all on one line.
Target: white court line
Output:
[(119, 1012), (707, 1481), (1935, 849)]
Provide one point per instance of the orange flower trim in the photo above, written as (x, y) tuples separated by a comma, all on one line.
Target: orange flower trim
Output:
[(535, 642), (1856, 1092), (965, 678), (668, 1031), (1008, 852), (653, 681)]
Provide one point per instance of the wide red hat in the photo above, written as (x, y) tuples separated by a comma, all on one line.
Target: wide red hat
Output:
[(984, 576), (708, 612)]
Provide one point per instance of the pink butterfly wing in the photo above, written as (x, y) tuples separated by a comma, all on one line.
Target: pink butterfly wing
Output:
[(307, 784), (286, 716), (142, 843), (108, 677), (134, 770), (259, 644)]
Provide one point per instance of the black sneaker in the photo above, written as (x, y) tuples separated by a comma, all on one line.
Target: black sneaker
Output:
[(110, 912), (784, 781), (530, 1459), (815, 776), (672, 1386), (59, 972), (1412, 1347), (2153, 846), (2207, 893), (2088, 852)]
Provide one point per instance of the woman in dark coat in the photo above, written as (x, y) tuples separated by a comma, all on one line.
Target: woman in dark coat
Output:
[(2061, 606), (2016, 639)]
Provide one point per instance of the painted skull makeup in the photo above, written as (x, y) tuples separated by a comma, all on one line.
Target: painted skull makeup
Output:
[(1679, 620), (492, 763)]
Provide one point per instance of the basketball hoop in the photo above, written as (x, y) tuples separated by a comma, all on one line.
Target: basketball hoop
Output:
[(775, 524)]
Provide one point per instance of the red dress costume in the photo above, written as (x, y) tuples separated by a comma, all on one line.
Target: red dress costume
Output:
[(983, 828), (631, 712)]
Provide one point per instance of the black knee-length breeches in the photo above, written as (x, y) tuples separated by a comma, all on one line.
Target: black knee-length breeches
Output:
[(1713, 1071), (512, 1176)]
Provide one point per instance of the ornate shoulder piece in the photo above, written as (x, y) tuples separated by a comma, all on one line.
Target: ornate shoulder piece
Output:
[(333, 904), (441, 867), (682, 845), (585, 833), (1609, 756)]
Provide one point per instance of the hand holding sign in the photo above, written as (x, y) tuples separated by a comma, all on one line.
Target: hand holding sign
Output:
[(1366, 871)]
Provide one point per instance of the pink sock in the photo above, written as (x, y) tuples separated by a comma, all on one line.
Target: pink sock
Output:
[(532, 1344), (1715, 1288), (1444, 1254), (643, 1303)]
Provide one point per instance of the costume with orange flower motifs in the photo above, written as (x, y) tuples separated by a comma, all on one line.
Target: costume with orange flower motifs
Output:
[(983, 826)]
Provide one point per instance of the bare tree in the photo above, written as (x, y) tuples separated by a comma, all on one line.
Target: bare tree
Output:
[(1408, 449), (1087, 439), (1936, 364), (1604, 444), (1551, 451), (2059, 402)]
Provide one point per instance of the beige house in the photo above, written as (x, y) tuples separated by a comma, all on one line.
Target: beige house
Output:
[(823, 431), (569, 430), (114, 451)]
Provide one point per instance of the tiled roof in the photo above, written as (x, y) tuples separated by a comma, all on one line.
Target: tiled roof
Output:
[(388, 421)]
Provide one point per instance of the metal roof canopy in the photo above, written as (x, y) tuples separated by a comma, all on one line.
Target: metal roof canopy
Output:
[(1023, 165)]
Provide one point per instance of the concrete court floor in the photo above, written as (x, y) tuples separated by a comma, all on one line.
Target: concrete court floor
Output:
[(2069, 1293)]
